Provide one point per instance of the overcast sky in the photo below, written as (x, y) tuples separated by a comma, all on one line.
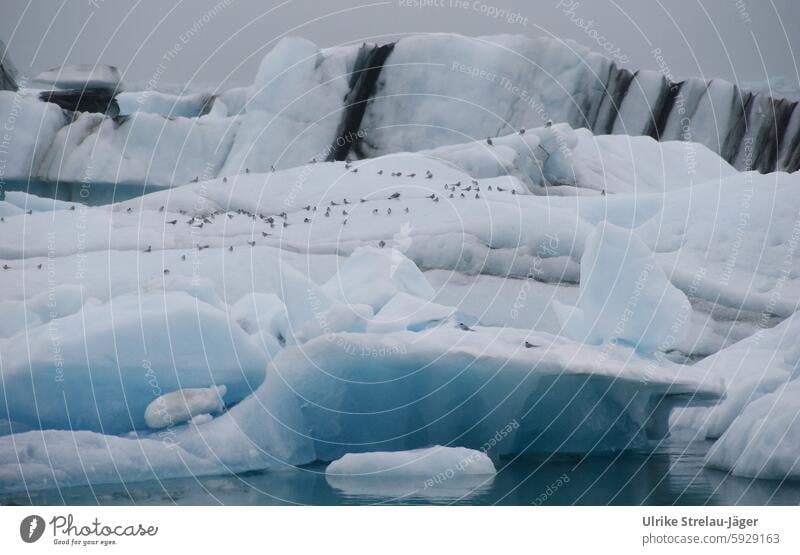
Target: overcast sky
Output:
[(748, 40)]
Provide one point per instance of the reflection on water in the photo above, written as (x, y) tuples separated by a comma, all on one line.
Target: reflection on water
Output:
[(92, 194), (672, 474)]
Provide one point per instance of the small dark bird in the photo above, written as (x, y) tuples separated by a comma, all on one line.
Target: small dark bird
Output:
[(375, 211), (306, 221), (72, 207), (431, 196), (230, 248), (381, 243), (148, 249), (344, 213), (490, 187), (307, 208), (529, 345), (264, 234), (436, 199), (603, 193), (172, 222), (513, 191), (521, 131), (251, 243), (129, 210), (247, 170), (224, 179), (477, 195), (183, 257), (464, 327), (389, 212), (549, 123), (406, 209), (6, 267), (344, 222), (489, 141), (394, 196), (428, 174), (500, 189), (38, 266), (166, 272), (412, 175), (380, 172)]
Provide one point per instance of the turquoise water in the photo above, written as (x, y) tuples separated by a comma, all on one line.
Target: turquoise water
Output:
[(91, 194), (670, 475)]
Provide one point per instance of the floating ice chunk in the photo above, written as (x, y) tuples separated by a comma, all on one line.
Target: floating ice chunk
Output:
[(625, 295), (434, 472), (373, 276), (181, 405), (430, 462), (79, 76)]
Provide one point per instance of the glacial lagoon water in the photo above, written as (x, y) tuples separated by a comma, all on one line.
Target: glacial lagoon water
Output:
[(671, 473)]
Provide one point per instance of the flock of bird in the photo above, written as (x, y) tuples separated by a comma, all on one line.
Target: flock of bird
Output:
[(452, 190), (344, 207)]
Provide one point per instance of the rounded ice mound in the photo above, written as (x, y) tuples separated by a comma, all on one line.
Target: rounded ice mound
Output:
[(115, 359), (182, 405), (625, 295), (286, 74), (764, 440), (373, 276), (430, 462)]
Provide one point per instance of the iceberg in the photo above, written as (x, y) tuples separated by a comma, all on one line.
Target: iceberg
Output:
[(423, 92)]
